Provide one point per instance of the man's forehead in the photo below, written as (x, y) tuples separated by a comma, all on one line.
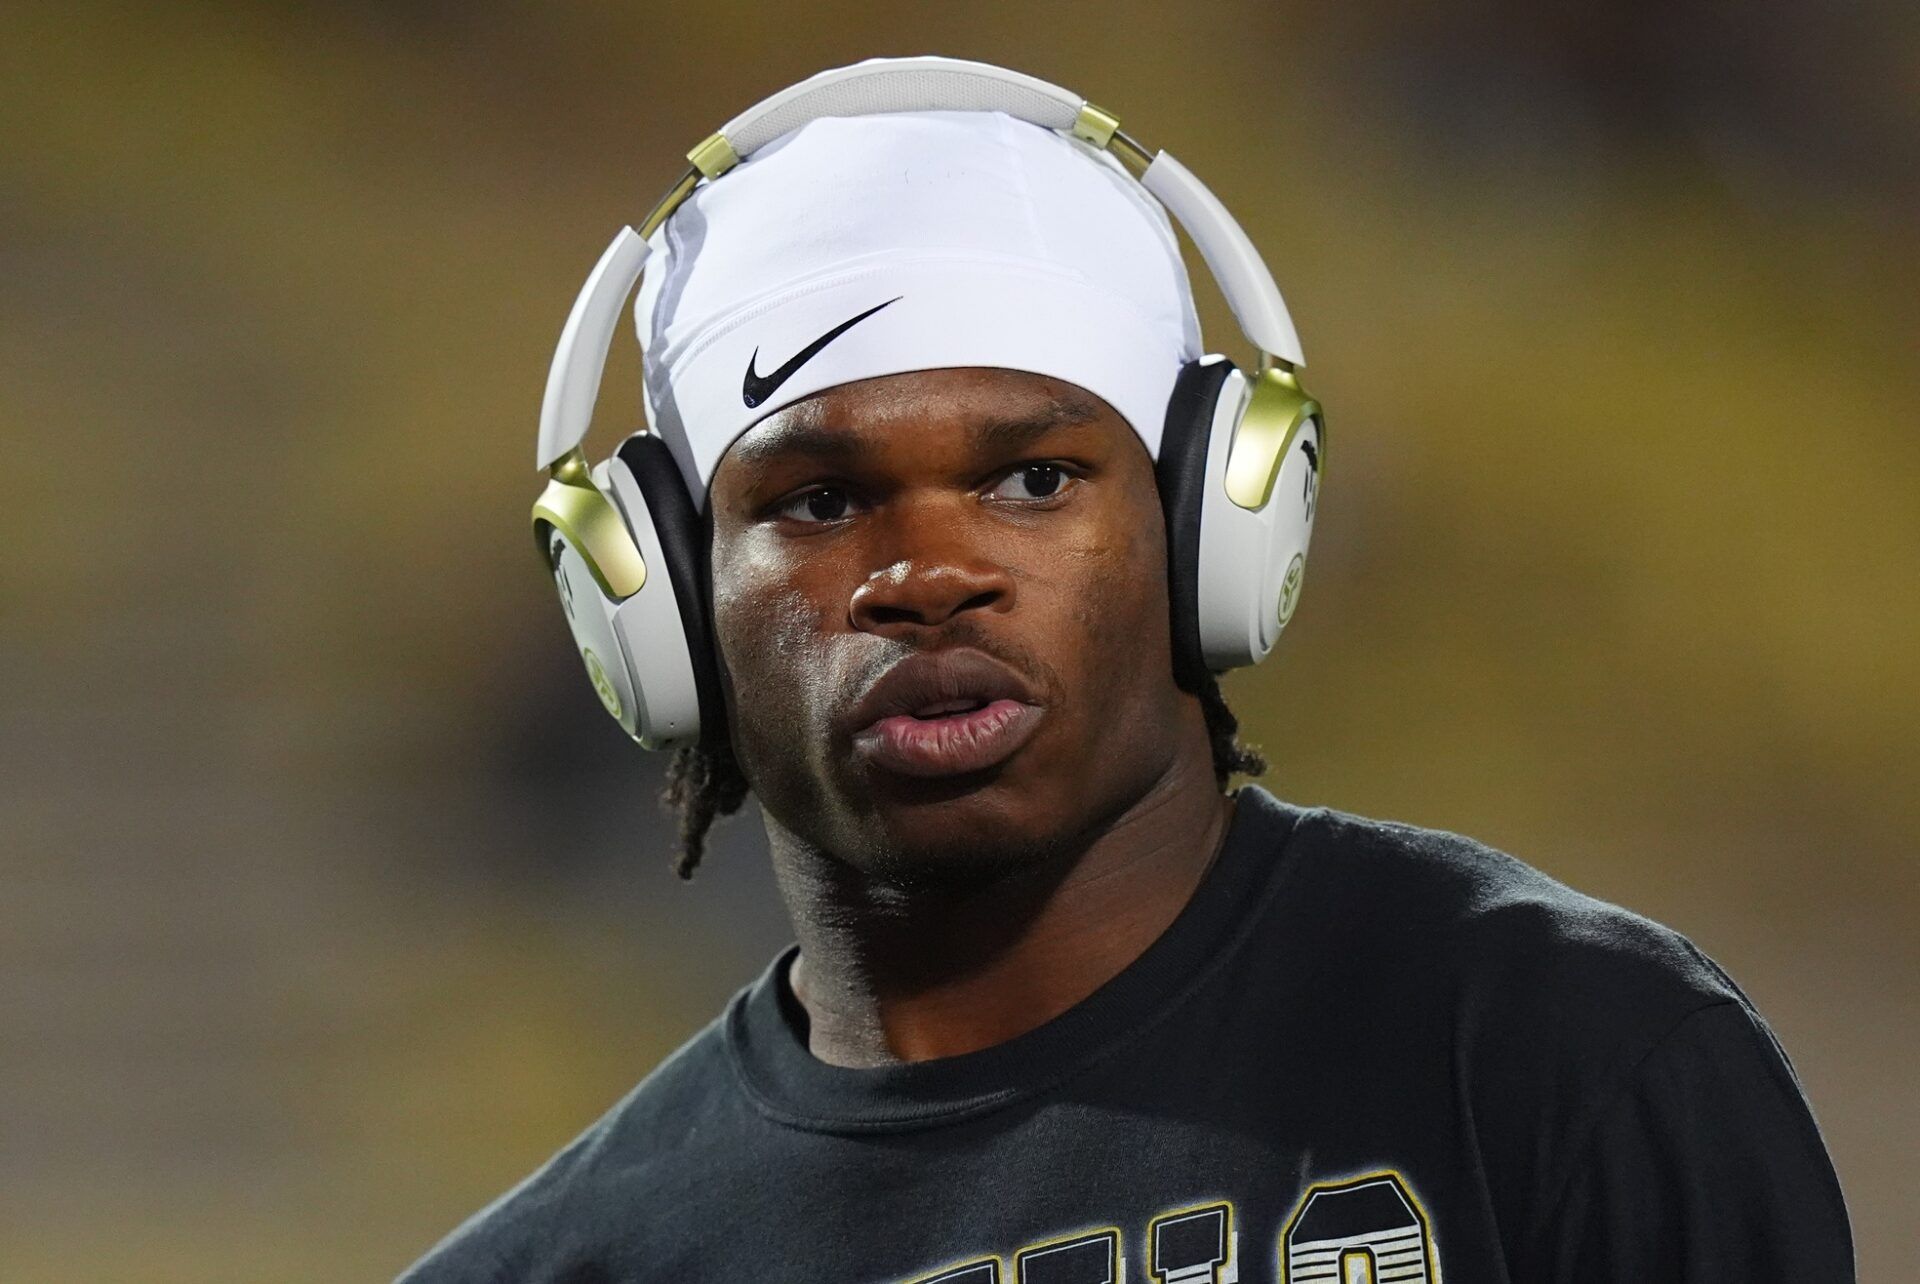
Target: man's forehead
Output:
[(985, 408)]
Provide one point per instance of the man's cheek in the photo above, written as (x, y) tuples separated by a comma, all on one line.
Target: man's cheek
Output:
[(778, 642), (766, 616)]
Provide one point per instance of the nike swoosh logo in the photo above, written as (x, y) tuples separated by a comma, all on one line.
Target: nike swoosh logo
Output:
[(756, 388)]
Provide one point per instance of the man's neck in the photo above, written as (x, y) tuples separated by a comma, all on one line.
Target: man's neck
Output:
[(890, 974)]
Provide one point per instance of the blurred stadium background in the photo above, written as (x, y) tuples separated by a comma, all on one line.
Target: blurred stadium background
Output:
[(330, 902)]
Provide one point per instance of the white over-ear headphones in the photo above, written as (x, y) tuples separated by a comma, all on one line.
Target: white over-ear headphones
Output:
[(1239, 467)]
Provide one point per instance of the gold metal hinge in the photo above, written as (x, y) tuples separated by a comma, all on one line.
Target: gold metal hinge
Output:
[(572, 505), (1276, 409)]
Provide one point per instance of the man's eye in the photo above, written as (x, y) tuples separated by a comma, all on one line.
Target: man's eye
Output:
[(1032, 481), (822, 504)]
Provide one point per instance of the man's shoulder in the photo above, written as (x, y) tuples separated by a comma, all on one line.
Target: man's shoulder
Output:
[(1587, 1048), (581, 1199), (1498, 941)]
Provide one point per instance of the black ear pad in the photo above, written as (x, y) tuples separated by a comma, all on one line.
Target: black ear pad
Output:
[(684, 543), (1181, 472)]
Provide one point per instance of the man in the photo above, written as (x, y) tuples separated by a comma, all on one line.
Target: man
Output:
[(1062, 1007)]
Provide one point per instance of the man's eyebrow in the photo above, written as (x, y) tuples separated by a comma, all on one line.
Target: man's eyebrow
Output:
[(807, 437), (1009, 433), (818, 439)]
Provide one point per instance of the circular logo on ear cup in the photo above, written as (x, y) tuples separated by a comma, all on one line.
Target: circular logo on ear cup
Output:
[(601, 683), (1290, 587)]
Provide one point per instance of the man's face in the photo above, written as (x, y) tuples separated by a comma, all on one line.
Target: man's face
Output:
[(941, 607)]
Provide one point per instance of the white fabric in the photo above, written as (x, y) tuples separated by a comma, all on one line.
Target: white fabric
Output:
[(1005, 243)]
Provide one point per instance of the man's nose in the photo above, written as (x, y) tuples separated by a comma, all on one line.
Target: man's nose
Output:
[(927, 582)]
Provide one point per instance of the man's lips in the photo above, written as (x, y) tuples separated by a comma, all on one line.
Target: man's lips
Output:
[(942, 713), (950, 744)]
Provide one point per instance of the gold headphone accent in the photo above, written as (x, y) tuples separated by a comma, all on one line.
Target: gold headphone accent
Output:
[(681, 189), (1276, 409), (713, 155), (574, 506), (1095, 124)]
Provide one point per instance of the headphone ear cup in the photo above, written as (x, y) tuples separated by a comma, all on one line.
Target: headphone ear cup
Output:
[(590, 615), (1296, 494), (1253, 558), (670, 650), (1181, 471)]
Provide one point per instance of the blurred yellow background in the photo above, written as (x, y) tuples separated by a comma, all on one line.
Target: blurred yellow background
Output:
[(332, 903)]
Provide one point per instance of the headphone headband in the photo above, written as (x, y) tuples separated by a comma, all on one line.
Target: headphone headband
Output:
[(880, 86), (1242, 453)]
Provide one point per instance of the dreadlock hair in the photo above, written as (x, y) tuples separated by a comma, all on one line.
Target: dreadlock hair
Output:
[(704, 780), (1223, 733), (704, 783)]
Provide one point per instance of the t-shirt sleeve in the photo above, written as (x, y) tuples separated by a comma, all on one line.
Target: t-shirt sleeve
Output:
[(1705, 1166)]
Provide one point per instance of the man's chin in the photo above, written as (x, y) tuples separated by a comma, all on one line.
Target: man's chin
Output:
[(961, 829)]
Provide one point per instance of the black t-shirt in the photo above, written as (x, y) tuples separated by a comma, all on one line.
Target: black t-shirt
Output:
[(1364, 1051)]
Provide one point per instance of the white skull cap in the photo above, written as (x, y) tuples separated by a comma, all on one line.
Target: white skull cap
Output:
[(957, 238)]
